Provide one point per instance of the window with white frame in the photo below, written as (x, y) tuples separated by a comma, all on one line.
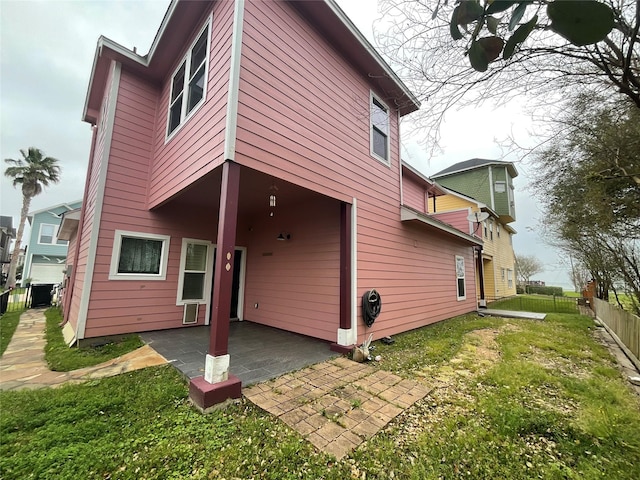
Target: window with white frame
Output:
[(379, 119), (196, 260), (189, 82), (485, 228), (510, 278), (490, 230), (498, 229), (500, 187), (460, 278), (48, 235), (139, 256)]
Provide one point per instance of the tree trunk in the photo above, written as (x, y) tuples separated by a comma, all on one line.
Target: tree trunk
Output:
[(11, 277)]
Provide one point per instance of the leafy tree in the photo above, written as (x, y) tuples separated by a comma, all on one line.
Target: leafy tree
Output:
[(472, 51), (32, 173), (589, 183), (526, 267)]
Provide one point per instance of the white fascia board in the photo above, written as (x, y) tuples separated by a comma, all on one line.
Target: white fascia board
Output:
[(116, 47), (163, 26), (372, 51), (52, 207)]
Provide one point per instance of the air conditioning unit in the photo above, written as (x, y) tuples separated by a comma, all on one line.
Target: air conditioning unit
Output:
[(190, 315)]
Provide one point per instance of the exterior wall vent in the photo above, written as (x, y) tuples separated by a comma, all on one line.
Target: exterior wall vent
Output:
[(190, 315)]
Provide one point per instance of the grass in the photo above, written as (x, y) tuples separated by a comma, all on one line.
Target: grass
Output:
[(537, 303), (61, 358), (8, 324), (511, 399)]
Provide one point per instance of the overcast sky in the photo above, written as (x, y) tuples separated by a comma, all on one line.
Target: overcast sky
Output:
[(47, 49)]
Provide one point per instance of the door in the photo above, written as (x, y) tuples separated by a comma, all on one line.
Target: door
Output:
[(237, 285)]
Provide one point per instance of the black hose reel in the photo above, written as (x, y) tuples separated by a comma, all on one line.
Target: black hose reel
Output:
[(371, 306)]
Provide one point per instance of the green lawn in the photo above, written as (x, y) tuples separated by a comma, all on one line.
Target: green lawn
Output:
[(8, 323), (61, 358), (511, 399), (537, 303)]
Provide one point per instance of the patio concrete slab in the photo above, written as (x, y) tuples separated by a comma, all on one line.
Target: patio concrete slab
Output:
[(258, 352), (513, 314), (337, 404)]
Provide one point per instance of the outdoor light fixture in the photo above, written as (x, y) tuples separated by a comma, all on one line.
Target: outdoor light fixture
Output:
[(283, 237), (272, 200)]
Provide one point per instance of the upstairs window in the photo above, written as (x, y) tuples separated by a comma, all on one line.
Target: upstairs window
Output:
[(490, 230), (379, 119), (189, 82), (48, 235)]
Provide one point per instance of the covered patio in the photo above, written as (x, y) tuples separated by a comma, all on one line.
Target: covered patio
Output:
[(257, 352)]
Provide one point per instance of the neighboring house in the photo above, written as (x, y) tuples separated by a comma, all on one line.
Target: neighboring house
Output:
[(46, 253), (7, 233), (487, 181), (498, 258), (253, 158)]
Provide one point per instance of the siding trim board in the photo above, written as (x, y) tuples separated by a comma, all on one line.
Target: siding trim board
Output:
[(234, 82), (102, 180)]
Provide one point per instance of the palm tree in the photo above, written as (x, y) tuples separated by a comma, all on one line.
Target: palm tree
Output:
[(33, 172)]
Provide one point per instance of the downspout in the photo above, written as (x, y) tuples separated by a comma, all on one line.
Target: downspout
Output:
[(482, 302)]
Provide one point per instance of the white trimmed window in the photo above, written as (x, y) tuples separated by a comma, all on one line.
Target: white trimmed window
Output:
[(379, 120), (139, 256), (48, 235), (189, 82), (490, 230), (196, 264), (510, 278), (460, 278)]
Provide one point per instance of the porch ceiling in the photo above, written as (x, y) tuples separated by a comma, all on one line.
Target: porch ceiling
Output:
[(255, 189)]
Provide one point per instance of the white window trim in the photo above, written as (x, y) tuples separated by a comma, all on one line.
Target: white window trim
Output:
[(385, 161), (184, 115), (464, 277), (54, 238), (115, 256), (208, 272)]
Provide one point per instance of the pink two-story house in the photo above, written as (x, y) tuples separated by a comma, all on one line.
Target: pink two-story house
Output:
[(249, 167)]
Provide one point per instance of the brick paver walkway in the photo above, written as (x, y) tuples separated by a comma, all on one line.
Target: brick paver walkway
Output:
[(23, 366), (337, 404)]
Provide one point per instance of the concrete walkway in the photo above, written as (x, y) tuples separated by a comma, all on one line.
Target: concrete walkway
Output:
[(23, 366)]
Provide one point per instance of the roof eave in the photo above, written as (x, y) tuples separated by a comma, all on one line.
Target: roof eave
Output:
[(408, 214)]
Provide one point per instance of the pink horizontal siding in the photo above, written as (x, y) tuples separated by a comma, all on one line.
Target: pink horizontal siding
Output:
[(456, 218), (296, 283), (89, 208), (303, 112), (414, 193), (303, 116), (197, 148)]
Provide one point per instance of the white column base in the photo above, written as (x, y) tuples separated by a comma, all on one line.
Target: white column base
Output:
[(216, 369), (347, 337)]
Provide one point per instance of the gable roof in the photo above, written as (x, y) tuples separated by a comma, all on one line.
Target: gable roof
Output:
[(473, 164), (68, 205), (182, 15)]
